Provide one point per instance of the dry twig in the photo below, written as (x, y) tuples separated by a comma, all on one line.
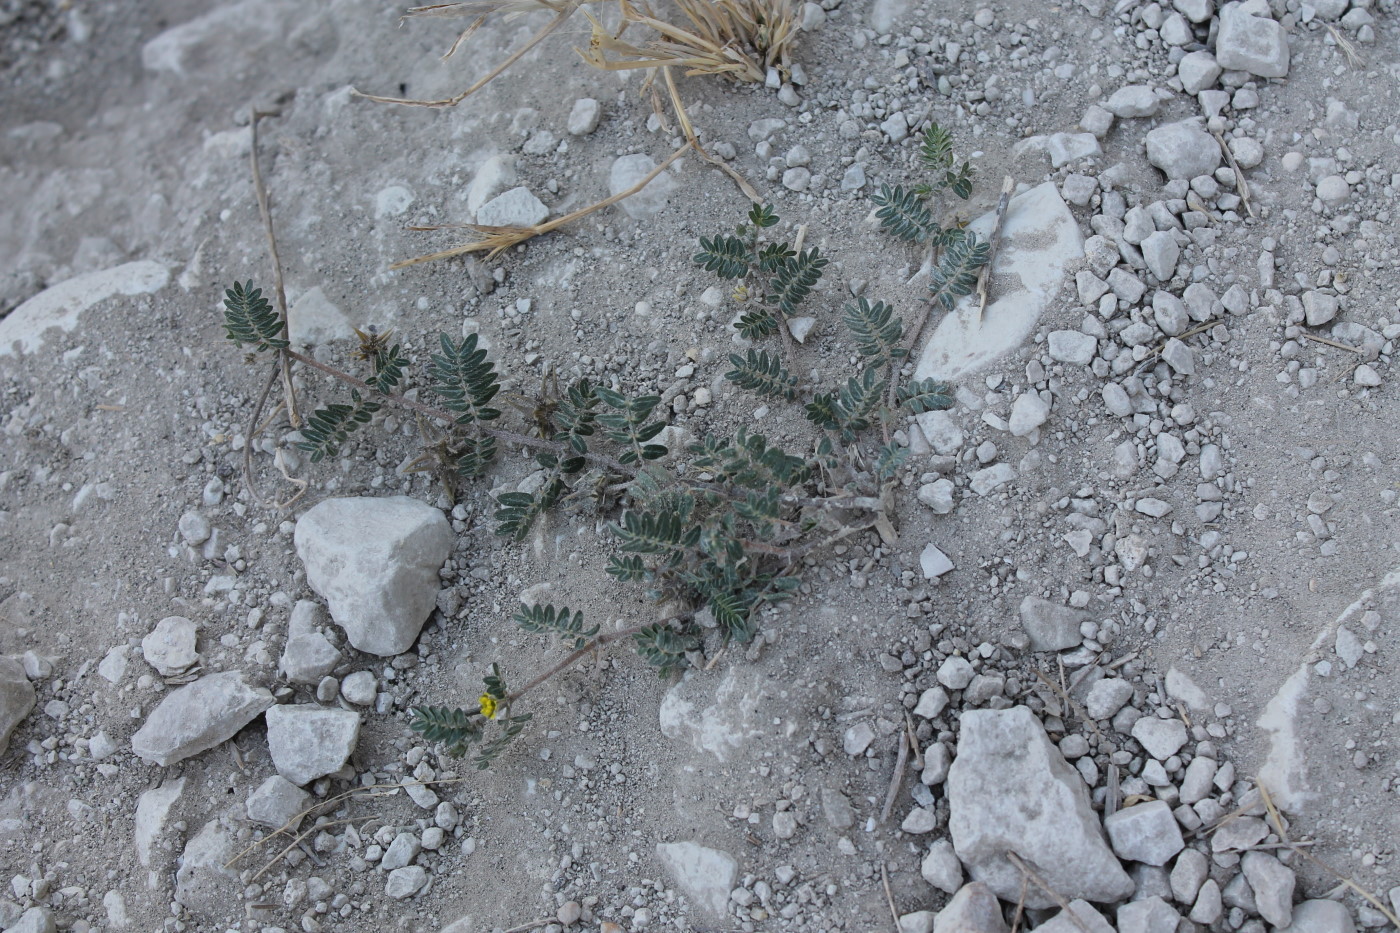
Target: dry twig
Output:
[(1008, 185), (1056, 896)]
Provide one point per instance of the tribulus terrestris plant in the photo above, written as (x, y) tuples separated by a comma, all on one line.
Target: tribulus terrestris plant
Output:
[(727, 534)]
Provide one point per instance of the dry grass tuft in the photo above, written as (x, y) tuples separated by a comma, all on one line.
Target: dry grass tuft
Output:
[(739, 39)]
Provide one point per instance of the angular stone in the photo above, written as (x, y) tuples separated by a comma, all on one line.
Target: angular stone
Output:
[(955, 672), (1051, 627), (375, 561), (34, 920), (1190, 872), (406, 882), (974, 909), (704, 875), (308, 655), (932, 702), (1182, 150), (1318, 308), (1321, 917), (170, 646), (1134, 100), (1149, 915), (920, 921), (276, 802), (1255, 44), (401, 852), (836, 807), (203, 884), (941, 867), (1011, 790), (1088, 919), (1065, 148), (152, 810), (1162, 738), (1145, 833), (1071, 346), (517, 207), (1198, 71), (308, 742), (1179, 357), (17, 699), (1272, 883), (989, 479), (583, 118), (198, 716), (1161, 252), (1028, 413), (933, 562)]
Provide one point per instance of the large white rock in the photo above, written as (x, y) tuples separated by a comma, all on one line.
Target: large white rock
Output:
[(16, 699), (720, 717), (1040, 239), (705, 875), (63, 304), (199, 716), (375, 561), (309, 741), (203, 884), (1010, 790), (628, 171)]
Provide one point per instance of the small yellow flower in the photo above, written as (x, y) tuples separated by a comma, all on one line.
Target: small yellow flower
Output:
[(488, 706)]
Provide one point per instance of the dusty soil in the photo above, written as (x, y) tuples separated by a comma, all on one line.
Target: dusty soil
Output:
[(123, 144)]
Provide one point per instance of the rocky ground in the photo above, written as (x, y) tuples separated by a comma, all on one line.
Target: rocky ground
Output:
[(1145, 579)]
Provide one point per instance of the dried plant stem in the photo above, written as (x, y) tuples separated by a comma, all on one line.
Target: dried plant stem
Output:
[(1346, 882), (897, 779), (564, 13), (1008, 185), (265, 209), (1241, 185), (1044, 885), (499, 239), (889, 895)]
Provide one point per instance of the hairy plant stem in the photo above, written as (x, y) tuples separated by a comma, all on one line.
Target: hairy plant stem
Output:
[(600, 642)]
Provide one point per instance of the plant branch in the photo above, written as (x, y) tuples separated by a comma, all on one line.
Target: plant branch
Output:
[(499, 239), (513, 437), (265, 209), (599, 642)]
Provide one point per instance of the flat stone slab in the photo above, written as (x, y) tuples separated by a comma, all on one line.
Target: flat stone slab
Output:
[(1040, 239), (22, 330)]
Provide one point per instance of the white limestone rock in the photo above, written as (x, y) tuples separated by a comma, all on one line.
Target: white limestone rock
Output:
[(198, 716), (1011, 790), (375, 561), (308, 741)]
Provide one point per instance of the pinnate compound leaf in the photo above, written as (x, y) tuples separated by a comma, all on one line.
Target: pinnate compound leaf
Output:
[(250, 319), (761, 373), (328, 428), (956, 273), (926, 395), (464, 379), (726, 256)]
